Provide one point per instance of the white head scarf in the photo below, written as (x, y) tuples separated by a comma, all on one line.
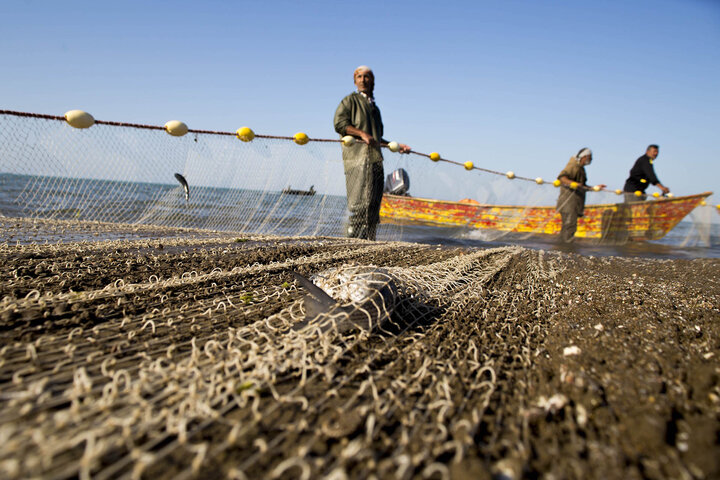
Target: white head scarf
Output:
[(583, 153), (363, 68)]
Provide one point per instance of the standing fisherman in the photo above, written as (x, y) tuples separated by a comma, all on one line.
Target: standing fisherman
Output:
[(642, 174), (571, 201), (358, 116)]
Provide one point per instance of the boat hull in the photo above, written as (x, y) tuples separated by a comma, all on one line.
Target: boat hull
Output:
[(648, 220)]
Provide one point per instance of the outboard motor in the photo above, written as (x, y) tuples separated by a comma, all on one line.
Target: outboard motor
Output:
[(397, 183)]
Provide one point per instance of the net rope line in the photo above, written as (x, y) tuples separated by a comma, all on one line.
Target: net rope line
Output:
[(33, 194), (123, 173), (276, 137)]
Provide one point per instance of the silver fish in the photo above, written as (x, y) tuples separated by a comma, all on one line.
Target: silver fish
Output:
[(184, 184), (365, 298)]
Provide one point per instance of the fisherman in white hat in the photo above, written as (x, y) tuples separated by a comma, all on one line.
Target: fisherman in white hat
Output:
[(359, 116), (573, 185)]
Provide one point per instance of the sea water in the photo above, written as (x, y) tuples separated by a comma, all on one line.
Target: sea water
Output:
[(248, 211)]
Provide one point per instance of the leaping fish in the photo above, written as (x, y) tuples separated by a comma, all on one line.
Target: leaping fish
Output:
[(365, 298), (184, 184)]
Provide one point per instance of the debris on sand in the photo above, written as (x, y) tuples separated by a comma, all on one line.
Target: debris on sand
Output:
[(571, 350)]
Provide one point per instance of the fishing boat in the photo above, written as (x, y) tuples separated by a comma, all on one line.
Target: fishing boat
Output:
[(290, 191), (646, 220)]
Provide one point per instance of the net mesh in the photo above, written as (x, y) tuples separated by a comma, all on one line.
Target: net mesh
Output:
[(122, 174), (174, 376), (126, 173)]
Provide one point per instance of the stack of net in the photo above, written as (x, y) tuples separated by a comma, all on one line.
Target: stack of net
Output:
[(203, 373)]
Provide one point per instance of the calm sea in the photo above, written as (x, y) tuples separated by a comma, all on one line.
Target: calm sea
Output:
[(698, 236)]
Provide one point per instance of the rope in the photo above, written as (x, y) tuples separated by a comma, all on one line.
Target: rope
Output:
[(277, 137)]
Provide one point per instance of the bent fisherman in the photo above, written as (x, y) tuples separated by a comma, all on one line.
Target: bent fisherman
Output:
[(359, 116), (573, 185), (642, 174)]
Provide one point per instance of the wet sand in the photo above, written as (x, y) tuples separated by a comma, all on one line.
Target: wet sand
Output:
[(167, 353)]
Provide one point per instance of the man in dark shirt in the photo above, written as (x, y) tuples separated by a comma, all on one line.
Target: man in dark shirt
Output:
[(642, 174)]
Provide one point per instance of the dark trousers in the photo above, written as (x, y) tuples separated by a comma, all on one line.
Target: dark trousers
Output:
[(569, 224), (364, 182)]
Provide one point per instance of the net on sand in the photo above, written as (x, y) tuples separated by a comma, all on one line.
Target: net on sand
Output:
[(174, 376)]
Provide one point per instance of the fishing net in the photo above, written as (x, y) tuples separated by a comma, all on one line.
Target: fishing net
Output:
[(183, 345), (201, 372), (116, 172)]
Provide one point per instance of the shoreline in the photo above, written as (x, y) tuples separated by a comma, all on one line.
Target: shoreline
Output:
[(25, 231)]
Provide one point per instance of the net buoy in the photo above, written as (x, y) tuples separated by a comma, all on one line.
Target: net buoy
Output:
[(618, 191), (301, 138), (638, 193), (469, 165), (435, 156), (245, 134), (573, 185), (596, 188), (656, 194), (176, 128), (510, 175), (348, 140), (539, 180), (557, 183), (393, 146), (79, 119)]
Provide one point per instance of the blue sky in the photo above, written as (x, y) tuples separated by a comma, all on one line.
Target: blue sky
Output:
[(511, 85)]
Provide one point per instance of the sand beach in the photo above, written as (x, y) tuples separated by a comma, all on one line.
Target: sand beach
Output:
[(143, 352)]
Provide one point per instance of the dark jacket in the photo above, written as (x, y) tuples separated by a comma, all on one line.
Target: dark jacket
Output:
[(642, 174)]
